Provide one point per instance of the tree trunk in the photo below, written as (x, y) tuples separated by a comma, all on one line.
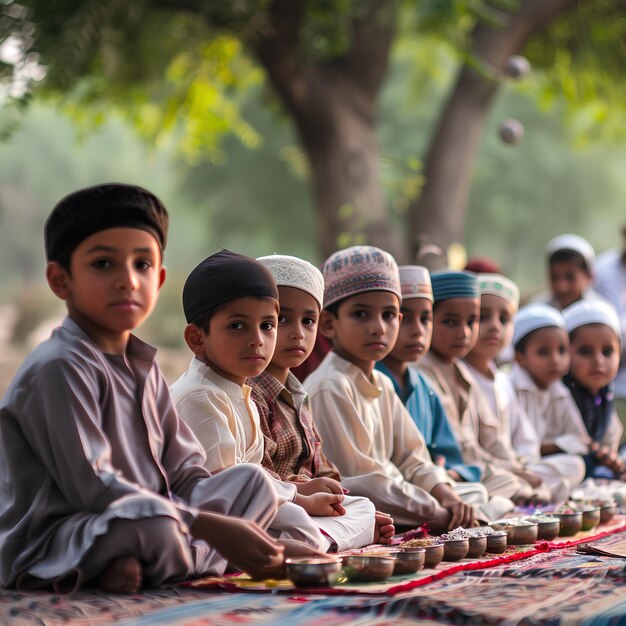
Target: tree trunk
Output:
[(438, 216)]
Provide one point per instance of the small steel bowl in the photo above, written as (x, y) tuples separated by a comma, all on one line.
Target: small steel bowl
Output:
[(408, 561), (548, 530), (607, 512), (571, 523), (368, 568), (522, 535), (434, 555), (313, 571), (496, 544), (455, 549), (477, 546), (591, 518)]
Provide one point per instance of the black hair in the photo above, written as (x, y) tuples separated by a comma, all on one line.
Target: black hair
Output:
[(569, 256), (333, 308), (203, 320)]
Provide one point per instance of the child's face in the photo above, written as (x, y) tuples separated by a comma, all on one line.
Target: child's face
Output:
[(568, 282), (595, 354), (113, 284), (416, 330), (495, 328), (455, 327), (297, 327), (365, 329), (240, 340), (546, 357)]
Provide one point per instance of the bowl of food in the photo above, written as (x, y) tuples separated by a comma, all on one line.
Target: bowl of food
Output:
[(368, 567), (571, 522), (608, 509), (455, 549), (477, 546), (408, 560), (433, 549), (548, 526), (591, 517), (519, 531), (496, 542), (313, 571)]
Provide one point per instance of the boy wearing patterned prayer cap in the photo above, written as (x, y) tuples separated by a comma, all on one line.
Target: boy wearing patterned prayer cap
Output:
[(455, 331), (595, 346), (293, 449), (367, 431), (101, 482), (551, 478), (422, 401), (541, 360), (231, 306)]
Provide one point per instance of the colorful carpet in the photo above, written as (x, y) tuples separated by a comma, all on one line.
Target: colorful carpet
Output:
[(553, 586)]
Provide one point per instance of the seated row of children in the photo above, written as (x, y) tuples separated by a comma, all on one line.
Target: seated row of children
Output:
[(114, 480)]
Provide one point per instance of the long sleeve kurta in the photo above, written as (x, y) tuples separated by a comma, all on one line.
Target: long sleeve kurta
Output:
[(87, 438), (552, 412), (473, 423), (370, 437)]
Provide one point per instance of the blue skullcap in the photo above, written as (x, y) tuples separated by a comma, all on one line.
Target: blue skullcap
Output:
[(533, 317), (449, 284)]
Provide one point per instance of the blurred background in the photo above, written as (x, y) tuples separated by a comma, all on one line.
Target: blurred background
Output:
[(480, 128)]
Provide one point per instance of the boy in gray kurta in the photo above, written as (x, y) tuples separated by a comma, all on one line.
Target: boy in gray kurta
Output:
[(101, 480)]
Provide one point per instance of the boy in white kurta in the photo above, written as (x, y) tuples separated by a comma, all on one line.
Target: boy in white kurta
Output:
[(231, 305), (367, 431), (553, 478), (102, 483)]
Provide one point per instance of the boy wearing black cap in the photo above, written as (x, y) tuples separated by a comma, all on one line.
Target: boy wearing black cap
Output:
[(102, 482), (231, 306)]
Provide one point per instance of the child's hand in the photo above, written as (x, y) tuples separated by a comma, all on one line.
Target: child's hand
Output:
[(384, 530), (322, 504), (320, 485)]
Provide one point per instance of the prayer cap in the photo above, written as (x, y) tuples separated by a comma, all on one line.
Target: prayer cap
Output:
[(359, 269), (533, 317), (498, 285), (572, 243), (452, 284), (586, 312), (415, 282), (290, 271), (93, 209), (222, 277)]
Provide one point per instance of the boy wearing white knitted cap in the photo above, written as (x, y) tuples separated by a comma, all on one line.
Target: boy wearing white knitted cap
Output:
[(595, 345), (552, 478), (366, 429), (292, 445)]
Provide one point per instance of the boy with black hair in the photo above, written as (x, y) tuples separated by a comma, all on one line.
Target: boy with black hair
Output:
[(102, 483)]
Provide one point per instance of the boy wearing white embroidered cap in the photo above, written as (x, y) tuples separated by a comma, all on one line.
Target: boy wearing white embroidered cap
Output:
[(594, 332), (553, 478), (292, 445), (541, 360)]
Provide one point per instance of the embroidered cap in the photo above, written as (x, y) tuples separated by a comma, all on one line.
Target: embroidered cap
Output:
[(415, 282), (290, 271), (498, 285), (359, 269), (573, 243), (452, 284), (533, 317), (586, 312)]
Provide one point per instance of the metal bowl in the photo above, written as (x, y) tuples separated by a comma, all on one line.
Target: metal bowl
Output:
[(522, 535), (591, 518), (496, 544), (571, 523), (477, 546), (455, 549), (607, 511), (548, 530), (408, 561), (313, 571), (368, 568), (434, 555)]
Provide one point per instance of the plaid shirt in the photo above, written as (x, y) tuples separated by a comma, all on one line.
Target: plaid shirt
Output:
[(293, 448)]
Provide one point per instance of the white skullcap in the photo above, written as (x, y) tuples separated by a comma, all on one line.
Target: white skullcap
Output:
[(290, 271), (587, 312), (498, 285), (575, 243), (415, 282), (533, 317)]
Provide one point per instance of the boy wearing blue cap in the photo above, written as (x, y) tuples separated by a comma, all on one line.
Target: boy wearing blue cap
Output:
[(455, 331), (101, 482), (367, 431)]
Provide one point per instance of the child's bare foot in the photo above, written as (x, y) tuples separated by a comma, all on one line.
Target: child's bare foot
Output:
[(384, 529), (122, 575)]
